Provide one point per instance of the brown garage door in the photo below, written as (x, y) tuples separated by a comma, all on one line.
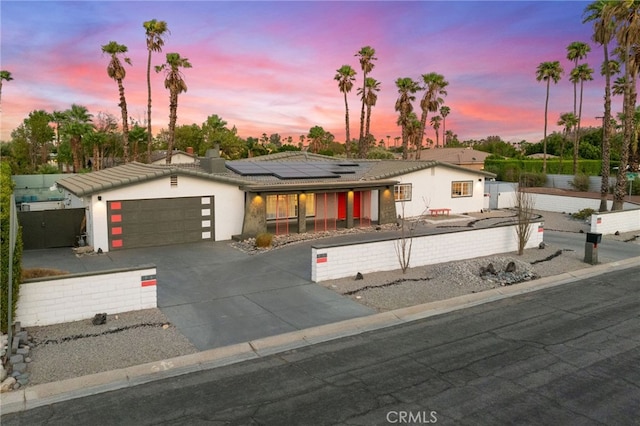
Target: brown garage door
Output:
[(148, 223)]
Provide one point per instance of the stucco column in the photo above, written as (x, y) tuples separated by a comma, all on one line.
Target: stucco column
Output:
[(302, 213), (386, 206), (349, 209), (255, 215)]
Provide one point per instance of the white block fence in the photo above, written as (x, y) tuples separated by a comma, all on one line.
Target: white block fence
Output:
[(621, 221), (338, 261), (562, 204), (76, 297)]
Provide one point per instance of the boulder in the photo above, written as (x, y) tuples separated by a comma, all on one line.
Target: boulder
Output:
[(7, 384)]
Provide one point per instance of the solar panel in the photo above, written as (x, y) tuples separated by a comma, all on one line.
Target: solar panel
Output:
[(293, 169)]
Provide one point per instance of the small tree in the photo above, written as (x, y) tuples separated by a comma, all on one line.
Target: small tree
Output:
[(404, 243), (524, 215)]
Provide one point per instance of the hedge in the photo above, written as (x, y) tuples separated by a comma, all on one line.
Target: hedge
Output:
[(6, 190), (509, 170)]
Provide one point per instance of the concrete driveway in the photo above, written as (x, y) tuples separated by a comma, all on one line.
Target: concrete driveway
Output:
[(216, 295)]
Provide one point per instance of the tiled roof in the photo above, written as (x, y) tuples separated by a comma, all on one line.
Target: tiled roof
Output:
[(454, 155), (293, 156), (119, 176)]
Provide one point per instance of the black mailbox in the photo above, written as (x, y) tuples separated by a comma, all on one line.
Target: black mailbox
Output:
[(594, 237)]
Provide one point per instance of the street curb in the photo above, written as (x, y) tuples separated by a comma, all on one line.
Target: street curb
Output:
[(50, 393)]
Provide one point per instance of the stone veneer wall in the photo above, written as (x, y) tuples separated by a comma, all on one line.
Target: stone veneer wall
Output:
[(339, 261)]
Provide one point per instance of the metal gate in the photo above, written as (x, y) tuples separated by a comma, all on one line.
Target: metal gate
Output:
[(51, 228)]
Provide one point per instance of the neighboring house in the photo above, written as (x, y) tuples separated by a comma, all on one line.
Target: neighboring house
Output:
[(540, 155), (465, 157), (177, 157), (142, 205)]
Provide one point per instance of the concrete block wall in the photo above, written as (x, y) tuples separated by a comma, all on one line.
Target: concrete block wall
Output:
[(610, 222), (80, 296), (557, 203), (332, 262)]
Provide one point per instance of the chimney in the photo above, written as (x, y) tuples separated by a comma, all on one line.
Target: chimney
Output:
[(212, 162), (190, 150)]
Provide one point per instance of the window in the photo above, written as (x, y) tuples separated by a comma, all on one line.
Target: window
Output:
[(286, 206), (402, 192), (462, 189)]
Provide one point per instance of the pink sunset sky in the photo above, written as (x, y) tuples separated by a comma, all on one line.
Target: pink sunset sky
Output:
[(268, 67)]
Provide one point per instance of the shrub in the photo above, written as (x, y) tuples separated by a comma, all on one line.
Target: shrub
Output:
[(580, 182), (583, 214), (30, 273), (264, 240), (635, 186), (532, 179)]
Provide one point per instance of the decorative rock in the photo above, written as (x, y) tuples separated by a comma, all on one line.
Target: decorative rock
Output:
[(99, 319), (165, 326), (15, 359), (22, 336), (22, 381), (16, 386), (27, 360), (7, 384), (617, 233), (15, 344), (3, 373), (20, 367), (23, 351), (542, 245), (511, 267), (359, 276)]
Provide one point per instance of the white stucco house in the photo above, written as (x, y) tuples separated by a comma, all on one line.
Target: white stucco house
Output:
[(143, 205)]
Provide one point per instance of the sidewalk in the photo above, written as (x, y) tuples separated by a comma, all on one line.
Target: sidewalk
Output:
[(45, 394)]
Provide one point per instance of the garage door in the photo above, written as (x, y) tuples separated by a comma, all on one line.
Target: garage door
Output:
[(157, 222)]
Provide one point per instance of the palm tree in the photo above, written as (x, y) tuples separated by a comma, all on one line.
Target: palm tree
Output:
[(626, 15), (77, 124), (345, 76), (370, 97), (599, 12), (569, 121), (174, 82), (444, 111), (434, 86), (414, 127), (547, 71), (154, 31), (435, 123), (579, 74), (116, 71), (577, 51), (4, 76), (406, 89), (366, 58)]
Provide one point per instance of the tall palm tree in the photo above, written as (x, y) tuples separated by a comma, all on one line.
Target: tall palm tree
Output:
[(444, 111), (366, 56), (547, 71), (435, 123), (434, 86), (76, 125), (345, 76), (154, 31), (626, 15), (569, 121), (579, 74), (406, 89), (4, 76), (599, 12), (116, 71), (370, 97), (174, 82), (414, 130), (577, 51)]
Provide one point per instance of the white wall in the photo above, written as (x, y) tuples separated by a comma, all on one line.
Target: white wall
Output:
[(347, 260), (562, 204), (81, 296), (621, 221), (432, 187), (229, 204)]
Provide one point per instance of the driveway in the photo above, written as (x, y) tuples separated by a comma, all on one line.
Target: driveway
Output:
[(218, 296)]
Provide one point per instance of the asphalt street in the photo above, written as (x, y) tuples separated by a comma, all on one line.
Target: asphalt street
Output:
[(565, 355)]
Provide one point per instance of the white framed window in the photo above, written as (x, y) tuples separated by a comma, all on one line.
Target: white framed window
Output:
[(286, 206), (402, 192), (462, 189)]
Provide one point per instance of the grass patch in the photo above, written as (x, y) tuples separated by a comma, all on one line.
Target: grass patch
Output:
[(31, 273)]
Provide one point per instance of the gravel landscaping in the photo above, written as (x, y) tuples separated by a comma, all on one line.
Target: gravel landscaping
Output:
[(79, 348)]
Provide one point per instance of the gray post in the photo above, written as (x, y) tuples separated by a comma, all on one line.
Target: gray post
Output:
[(591, 253)]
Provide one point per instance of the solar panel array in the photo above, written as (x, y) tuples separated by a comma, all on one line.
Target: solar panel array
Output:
[(293, 169)]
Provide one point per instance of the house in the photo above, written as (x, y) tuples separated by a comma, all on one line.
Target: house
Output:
[(142, 205), (177, 157), (465, 157)]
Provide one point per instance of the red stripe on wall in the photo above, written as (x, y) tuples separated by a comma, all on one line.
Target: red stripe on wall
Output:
[(116, 205), (116, 218), (321, 260), (116, 243), (116, 230), (148, 283)]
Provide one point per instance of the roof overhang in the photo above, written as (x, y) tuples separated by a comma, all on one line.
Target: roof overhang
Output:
[(319, 186)]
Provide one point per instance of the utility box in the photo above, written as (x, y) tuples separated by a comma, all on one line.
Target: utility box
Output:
[(594, 238)]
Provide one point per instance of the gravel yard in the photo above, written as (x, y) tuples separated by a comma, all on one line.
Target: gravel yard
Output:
[(78, 348)]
